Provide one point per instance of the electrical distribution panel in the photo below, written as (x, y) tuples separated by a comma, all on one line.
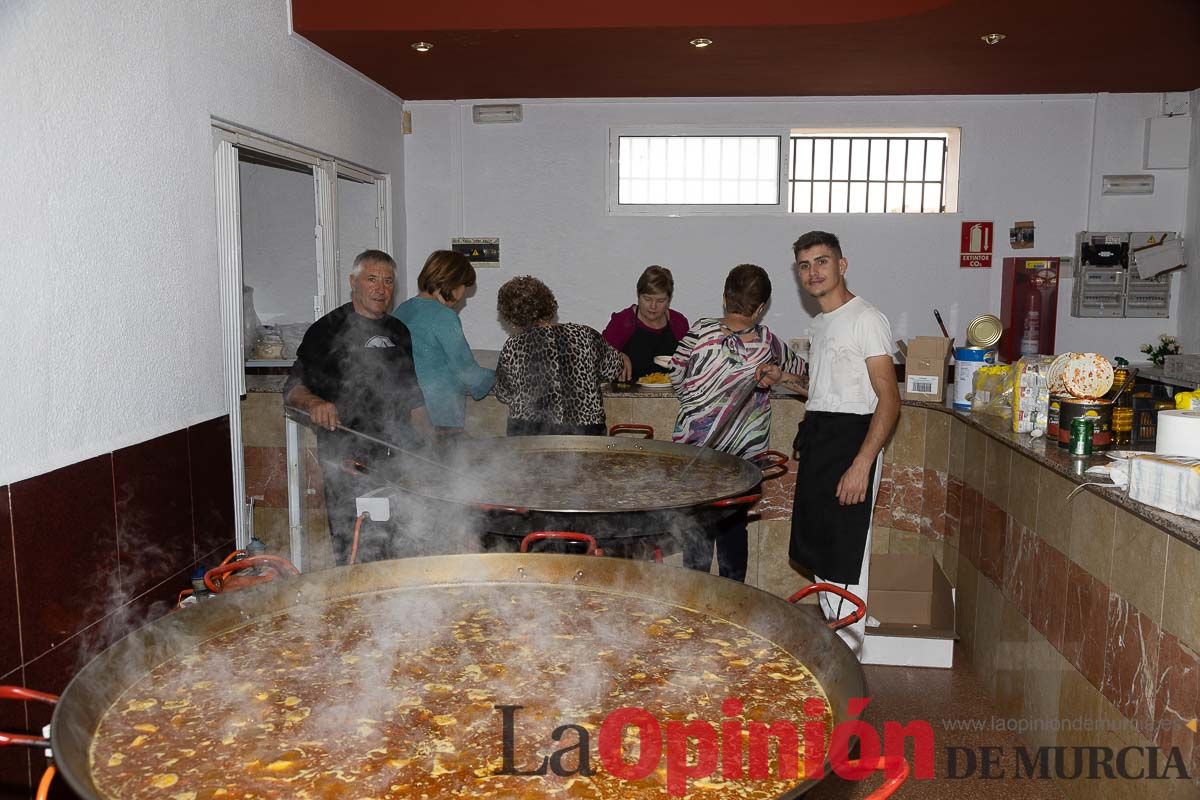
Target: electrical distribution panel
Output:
[(1106, 282)]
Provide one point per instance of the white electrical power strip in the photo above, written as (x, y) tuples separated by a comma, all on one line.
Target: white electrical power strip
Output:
[(377, 508)]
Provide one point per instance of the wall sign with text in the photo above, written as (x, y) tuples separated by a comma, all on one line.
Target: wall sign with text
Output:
[(976, 246), (482, 252)]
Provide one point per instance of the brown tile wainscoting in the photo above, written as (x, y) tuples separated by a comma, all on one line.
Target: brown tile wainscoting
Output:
[(96, 549), (1074, 610)]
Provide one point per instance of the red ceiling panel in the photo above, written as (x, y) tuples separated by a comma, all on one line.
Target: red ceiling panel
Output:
[(385, 15), (525, 48)]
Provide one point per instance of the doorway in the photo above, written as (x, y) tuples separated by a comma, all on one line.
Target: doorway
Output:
[(290, 222)]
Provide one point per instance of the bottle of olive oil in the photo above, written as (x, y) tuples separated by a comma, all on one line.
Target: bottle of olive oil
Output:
[(1122, 415)]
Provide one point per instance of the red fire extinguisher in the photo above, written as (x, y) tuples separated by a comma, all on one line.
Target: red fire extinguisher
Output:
[(1031, 326)]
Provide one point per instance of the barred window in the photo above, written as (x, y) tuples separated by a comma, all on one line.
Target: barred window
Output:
[(683, 170), (873, 172)]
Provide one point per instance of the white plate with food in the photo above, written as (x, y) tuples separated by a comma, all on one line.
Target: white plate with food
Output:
[(1087, 375), (655, 380), (1055, 376)]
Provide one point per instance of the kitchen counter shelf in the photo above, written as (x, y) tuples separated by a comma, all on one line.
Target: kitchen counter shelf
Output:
[(1050, 455)]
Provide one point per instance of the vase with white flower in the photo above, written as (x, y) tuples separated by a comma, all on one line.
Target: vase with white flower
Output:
[(1165, 346)]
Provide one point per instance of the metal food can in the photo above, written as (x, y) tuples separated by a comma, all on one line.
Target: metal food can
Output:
[(1099, 411), (984, 331), (1081, 437), (967, 361), (1052, 416)]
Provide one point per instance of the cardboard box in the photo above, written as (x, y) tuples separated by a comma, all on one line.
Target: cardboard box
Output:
[(913, 601), (925, 368)]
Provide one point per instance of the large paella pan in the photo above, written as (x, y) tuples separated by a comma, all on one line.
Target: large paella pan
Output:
[(390, 679), (612, 487)]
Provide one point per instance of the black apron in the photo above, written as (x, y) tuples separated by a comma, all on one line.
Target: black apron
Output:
[(827, 537), (644, 345)]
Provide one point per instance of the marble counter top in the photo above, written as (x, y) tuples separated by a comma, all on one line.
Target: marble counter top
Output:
[(1050, 455), (1043, 451), (257, 384), (1047, 453)]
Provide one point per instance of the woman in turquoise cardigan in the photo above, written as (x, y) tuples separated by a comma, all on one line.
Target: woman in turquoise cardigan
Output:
[(446, 368)]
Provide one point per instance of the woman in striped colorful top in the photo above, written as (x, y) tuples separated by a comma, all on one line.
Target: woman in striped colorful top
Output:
[(716, 371)]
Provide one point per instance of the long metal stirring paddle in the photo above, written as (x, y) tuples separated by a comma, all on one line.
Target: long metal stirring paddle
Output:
[(389, 445)]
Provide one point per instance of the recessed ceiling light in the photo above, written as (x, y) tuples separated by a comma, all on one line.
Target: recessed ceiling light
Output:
[(993, 38), (422, 47), (701, 42)]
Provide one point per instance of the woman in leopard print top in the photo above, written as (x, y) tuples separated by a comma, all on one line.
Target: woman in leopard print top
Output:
[(549, 374)]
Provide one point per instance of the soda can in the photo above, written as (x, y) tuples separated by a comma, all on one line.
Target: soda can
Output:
[(1081, 437)]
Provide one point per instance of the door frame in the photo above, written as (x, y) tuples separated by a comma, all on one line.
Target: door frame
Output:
[(228, 138)]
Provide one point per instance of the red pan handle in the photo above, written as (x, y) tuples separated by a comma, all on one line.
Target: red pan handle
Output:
[(236, 554), (23, 694), (282, 567), (632, 427), (354, 467), (563, 536), (860, 608), (744, 500), (895, 769), (773, 464)]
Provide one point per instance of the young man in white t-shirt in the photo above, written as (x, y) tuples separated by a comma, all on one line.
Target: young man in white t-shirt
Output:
[(853, 405)]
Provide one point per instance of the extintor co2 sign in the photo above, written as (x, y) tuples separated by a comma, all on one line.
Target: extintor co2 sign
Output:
[(976, 246)]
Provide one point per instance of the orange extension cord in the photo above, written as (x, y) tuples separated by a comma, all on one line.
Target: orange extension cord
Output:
[(357, 528), (43, 790)]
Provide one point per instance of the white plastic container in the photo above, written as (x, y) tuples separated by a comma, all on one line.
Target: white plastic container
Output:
[(966, 361)]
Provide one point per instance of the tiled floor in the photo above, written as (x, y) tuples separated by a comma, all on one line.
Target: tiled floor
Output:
[(904, 694)]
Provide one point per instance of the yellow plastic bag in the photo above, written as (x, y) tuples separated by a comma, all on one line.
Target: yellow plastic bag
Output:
[(992, 390)]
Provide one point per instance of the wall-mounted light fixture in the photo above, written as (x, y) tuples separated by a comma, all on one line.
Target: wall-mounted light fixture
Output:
[(422, 47), (1127, 184), (993, 38), (700, 42), (487, 115)]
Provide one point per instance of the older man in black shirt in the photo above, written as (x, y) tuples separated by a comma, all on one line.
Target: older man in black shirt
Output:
[(355, 368)]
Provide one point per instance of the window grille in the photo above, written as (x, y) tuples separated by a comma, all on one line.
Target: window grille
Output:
[(864, 173)]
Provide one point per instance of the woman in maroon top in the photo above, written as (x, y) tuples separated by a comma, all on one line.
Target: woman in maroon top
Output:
[(650, 328)]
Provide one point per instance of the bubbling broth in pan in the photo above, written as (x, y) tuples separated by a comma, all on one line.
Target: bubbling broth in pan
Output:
[(393, 695), (584, 480)]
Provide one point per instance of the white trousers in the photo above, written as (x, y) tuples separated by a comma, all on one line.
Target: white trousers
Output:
[(834, 607)]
